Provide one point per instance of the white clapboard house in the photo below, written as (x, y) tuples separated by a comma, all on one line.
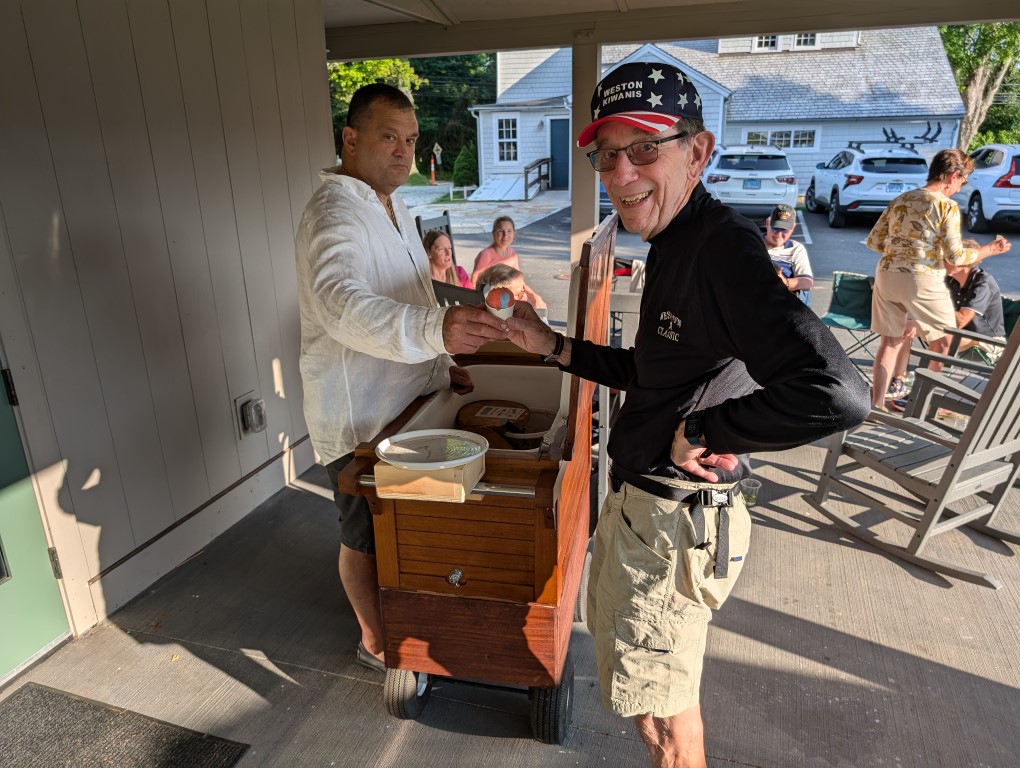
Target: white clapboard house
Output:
[(809, 93)]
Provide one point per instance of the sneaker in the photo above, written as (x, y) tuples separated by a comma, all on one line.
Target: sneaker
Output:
[(897, 406), (897, 389), (366, 659)]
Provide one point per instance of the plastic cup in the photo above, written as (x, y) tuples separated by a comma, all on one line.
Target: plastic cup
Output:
[(749, 488)]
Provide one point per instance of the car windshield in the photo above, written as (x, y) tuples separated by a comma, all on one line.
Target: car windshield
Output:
[(894, 165), (753, 163)]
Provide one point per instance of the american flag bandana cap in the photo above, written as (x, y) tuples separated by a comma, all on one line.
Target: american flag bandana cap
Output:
[(650, 96)]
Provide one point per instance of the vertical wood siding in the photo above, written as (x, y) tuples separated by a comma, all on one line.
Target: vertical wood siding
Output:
[(157, 155)]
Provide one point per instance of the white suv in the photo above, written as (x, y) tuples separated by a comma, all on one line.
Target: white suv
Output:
[(863, 180), (751, 179), (992, 193)]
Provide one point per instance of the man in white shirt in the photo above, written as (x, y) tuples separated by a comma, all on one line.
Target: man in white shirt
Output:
[(372, 335), (789, 257)]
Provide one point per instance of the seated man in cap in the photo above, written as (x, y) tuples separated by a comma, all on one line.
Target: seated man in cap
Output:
[(726, 361), (789, 257)]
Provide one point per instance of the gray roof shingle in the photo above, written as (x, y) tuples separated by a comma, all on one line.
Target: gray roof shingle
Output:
[(891, 73)]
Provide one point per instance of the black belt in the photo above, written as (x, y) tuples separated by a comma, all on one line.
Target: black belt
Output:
[(696, 501)]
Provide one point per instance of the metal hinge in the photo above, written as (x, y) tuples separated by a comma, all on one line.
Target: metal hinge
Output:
[(12, 396), (55, 563)]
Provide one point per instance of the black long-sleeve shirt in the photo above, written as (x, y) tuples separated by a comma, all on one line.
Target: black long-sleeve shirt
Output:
[(719, 333)]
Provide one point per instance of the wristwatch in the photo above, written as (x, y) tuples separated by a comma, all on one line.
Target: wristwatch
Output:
[(694, 428)]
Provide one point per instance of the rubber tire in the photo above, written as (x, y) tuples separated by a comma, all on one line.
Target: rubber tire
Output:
[(551, 707), (837, 216), (403, 696), (581, 606), (811, 204), (976, 221)]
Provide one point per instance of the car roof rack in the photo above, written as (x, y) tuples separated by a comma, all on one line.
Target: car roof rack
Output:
[(907, 145)]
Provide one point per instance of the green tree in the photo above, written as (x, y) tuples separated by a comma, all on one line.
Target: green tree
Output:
[(455, 83), (346, 78), (465, 170), (982, 57)]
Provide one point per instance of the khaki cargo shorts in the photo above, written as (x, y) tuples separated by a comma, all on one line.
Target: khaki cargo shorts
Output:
[(924, 297), (651, 594)]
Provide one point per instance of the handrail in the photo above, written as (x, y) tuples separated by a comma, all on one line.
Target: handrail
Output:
[(543, 175)]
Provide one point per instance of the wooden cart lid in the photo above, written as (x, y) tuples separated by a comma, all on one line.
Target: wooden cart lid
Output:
[(591, 282)]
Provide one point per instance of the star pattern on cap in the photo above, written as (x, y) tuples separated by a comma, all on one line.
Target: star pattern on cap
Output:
[(595, 114), (697, 100), (682, 101), (656, 76), (654, 100), (680, 76)]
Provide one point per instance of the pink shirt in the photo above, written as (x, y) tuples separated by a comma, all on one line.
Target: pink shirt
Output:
[(487, 257)]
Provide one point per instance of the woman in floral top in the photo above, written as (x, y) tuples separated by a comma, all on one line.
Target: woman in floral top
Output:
[(916, 235)]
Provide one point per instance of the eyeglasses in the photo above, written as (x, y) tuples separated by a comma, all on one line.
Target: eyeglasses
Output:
[(638, 153)]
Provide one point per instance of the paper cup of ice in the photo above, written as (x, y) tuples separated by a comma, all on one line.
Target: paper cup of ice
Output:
[(500, 302)]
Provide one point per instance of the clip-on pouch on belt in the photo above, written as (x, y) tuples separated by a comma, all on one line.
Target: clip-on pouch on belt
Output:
[(696, 500)]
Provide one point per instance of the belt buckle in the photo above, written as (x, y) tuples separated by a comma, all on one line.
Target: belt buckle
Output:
[(709, 497)]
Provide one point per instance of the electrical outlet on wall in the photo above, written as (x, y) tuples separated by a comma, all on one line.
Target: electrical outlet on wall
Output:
[(249, 414)]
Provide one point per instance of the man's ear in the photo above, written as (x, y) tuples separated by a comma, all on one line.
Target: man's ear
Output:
[(702, 145), (349, 137)]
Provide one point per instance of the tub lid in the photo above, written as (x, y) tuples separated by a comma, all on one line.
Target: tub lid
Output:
[(431, 448)]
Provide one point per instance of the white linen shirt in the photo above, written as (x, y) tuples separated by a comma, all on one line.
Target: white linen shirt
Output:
[(371, 333)]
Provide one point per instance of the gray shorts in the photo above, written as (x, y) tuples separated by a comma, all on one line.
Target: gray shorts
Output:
[(651, 593), (356, 530)]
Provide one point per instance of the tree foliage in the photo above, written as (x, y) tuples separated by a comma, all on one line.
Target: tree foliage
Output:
[(346, 78), (982, 57), (455, 83), (465, 170)]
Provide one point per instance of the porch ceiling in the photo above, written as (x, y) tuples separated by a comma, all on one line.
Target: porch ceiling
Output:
[(369, 28)]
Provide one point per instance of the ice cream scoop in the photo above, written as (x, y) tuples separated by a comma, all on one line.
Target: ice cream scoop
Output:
[(500, 302)]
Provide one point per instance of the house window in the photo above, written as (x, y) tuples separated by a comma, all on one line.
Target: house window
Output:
[(766, 43), (780, 138), (806, 40), (506, 139), (785, 138), (803, 139)]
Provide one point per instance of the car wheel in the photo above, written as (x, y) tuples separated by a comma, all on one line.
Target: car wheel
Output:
[(811, 204), (837, 216), (976, 221)]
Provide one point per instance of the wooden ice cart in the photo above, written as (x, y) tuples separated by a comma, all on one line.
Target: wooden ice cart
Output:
[(487, 589)]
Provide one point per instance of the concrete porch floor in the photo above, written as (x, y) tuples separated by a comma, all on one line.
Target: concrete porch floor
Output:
[(827, 654)]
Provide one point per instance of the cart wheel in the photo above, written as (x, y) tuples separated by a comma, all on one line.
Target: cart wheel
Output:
[(581, 607), (550, 707), (405, 693)]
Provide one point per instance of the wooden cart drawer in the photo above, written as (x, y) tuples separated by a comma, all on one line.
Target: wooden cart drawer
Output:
[(474, 550)]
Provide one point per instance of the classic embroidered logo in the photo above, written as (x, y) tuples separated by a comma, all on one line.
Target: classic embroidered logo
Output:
[(671, 330)]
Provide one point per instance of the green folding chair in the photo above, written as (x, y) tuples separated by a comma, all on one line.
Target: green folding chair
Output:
[(850, 310)]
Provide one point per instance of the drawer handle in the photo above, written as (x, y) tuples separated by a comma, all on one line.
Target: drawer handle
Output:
[(455, 578)]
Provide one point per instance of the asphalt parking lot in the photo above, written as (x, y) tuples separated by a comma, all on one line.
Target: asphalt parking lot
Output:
[(844, 249)]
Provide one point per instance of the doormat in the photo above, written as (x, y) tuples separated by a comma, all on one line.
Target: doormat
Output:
[(42, 727)]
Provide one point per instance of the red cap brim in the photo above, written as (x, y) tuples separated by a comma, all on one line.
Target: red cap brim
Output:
[(651, 122)]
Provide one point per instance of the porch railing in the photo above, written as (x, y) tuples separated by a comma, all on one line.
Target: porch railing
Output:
[(537, 174)]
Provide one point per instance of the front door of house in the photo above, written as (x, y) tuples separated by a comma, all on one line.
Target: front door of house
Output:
[(31, 612), (559, 152)]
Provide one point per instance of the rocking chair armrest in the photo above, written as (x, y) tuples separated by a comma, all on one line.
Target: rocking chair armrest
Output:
[(963, 333), (931, 380), (952, 362), (913, 426)]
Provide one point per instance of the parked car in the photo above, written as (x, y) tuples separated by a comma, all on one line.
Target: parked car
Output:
[(751, 179), (992, 193), (863, 179)]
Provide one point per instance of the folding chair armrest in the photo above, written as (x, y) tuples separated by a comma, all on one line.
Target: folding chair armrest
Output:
[(912, 425), (952, 362), (932, 380)]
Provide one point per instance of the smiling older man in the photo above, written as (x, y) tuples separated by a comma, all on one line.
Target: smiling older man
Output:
[(726, 361)]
